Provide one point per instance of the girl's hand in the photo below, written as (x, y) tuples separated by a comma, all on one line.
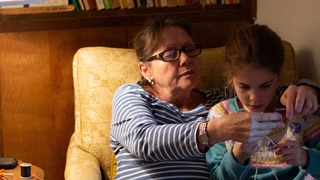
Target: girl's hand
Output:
[(243, 151), (292, 153)]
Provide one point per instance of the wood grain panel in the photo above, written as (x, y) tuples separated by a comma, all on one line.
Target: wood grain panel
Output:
[(37, 103), (28, 100)]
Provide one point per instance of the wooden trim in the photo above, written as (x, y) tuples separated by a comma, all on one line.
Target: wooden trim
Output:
[(125, 17)]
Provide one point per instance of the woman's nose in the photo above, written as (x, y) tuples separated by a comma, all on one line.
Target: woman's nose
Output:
[(184, 58)]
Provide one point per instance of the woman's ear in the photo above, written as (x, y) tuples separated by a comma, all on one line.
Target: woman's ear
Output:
[(144, 70)]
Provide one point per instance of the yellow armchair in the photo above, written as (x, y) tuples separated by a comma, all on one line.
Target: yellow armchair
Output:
[(97, 73)]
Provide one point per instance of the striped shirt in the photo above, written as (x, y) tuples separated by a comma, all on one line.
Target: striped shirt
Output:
[(153, 139)]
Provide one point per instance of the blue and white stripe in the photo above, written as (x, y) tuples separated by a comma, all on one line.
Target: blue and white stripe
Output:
[(155, 140)]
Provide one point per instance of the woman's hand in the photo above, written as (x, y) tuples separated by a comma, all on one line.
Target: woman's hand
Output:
[(299, 100), (292, 153), (243, 127), (243, 151)]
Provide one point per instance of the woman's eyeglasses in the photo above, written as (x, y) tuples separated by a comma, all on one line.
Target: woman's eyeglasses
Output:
[(174, 54)]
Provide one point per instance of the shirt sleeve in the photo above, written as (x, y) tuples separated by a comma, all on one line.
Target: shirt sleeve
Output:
[(216, 111), (312, 145), (223, 165), (314, 159), (135, 128)]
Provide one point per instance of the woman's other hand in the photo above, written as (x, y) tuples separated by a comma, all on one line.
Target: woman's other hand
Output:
[(299, 100)]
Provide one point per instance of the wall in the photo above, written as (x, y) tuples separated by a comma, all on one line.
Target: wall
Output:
[(296, 21)]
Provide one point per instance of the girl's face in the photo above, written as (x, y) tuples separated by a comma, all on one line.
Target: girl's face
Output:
[(255, 87), (176, 76)]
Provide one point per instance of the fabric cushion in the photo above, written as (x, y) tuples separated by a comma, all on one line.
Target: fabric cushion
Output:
[(99, 71)]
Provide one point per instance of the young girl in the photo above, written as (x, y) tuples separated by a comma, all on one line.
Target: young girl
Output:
[(254, 56)]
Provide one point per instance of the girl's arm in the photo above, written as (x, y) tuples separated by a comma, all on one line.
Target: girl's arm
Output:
[(223, 165), (312, 145)]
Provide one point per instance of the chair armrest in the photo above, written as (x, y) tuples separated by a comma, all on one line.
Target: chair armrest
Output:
[(80, 164)]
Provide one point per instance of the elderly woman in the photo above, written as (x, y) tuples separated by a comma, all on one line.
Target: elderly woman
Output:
[(158, 126)]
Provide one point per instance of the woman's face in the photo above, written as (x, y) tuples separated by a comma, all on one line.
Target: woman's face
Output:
[(178, 75), (255, 87)]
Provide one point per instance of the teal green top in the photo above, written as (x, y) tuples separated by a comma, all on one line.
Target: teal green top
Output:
[(223, 165)]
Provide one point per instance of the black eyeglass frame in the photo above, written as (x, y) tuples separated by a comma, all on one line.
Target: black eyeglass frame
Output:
[(160, 55)]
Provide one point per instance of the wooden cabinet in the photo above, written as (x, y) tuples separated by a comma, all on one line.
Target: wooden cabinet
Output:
[(36, 51)]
